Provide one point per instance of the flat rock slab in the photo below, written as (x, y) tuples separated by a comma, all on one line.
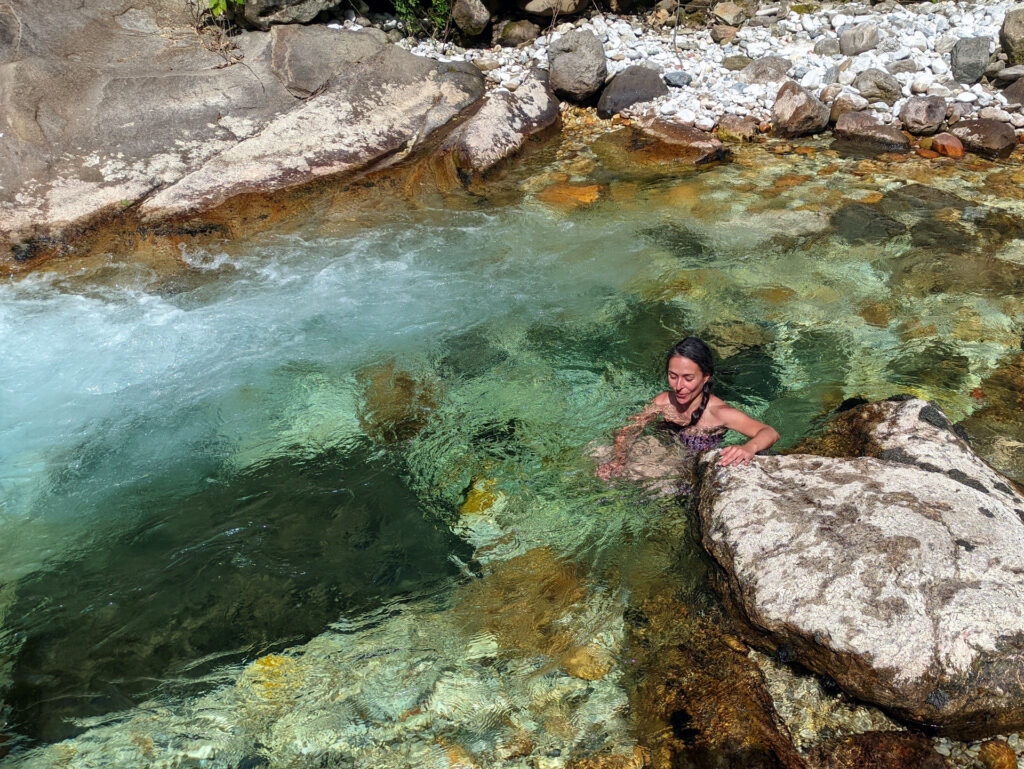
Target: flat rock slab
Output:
[(379, 114), (899, 574)]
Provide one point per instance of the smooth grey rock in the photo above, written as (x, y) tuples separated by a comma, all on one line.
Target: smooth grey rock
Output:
[(471, 16), (549, 8), (385, 108), (678, 78), (922, 115), (899, 574), (502, 125), (767, 69), (798, 113), (858, 39), (878, 85), (969, 58), (262, 14), (729, 13), (989, 138), (516, 33), (305, 58), (1011, 35), (827, 46), (633, 85), (862, 130), (577, 65)]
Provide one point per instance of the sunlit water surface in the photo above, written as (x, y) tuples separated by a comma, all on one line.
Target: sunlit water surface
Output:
[(200, 469)]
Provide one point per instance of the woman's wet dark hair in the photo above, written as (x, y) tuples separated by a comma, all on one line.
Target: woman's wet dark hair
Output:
[(695, 349)]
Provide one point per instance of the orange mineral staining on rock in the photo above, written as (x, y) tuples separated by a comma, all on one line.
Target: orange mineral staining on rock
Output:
[(569, 197), (948, 145)]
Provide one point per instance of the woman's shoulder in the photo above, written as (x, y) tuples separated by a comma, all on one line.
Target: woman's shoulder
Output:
[(661, 399)]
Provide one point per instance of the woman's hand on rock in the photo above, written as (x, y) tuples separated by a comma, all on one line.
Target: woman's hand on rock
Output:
[(735, 455)]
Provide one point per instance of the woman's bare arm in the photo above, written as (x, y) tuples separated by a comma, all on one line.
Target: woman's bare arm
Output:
[(624, 439), (760, 435)]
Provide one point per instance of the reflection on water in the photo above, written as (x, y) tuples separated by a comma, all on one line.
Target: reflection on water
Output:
[(317, 431)]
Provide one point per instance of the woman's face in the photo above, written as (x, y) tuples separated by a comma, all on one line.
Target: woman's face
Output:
[(685, 378)]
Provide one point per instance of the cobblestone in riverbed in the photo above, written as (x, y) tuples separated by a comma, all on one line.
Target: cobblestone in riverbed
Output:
[(915, 44)]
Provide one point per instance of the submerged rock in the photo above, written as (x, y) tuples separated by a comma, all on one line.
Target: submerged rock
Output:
[(878, 750), (1001, 417), (894, 565), (395, 404)]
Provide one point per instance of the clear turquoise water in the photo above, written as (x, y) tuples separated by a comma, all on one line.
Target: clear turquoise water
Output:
[(190, 475)]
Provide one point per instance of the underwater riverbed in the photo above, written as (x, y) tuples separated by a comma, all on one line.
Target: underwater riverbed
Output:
[(323, 494)]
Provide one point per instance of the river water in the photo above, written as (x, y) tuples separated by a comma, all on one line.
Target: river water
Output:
[(295, 448)]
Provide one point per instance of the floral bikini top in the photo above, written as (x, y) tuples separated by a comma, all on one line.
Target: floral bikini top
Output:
[(695, 439)]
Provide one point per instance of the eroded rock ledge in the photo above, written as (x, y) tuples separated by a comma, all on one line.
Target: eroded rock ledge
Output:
[(895, 565)]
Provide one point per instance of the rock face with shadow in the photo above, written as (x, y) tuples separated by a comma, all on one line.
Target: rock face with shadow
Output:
[(894, 564)]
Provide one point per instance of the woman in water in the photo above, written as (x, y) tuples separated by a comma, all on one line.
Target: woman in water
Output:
[(698, 419)]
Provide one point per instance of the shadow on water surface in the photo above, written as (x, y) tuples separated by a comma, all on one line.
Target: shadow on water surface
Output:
[(266, 559)]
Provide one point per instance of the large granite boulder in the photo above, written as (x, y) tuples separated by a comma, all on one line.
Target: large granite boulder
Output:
[(989, 138), (305, 59), (387, 106), (503, 124), (106, 103), (1011, 34), (797, 112), (895, 565), (862, 130), (577, 65), (633, 85), (922, 115)]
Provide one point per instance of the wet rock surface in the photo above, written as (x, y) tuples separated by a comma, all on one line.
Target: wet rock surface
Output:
[(917, 539)]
